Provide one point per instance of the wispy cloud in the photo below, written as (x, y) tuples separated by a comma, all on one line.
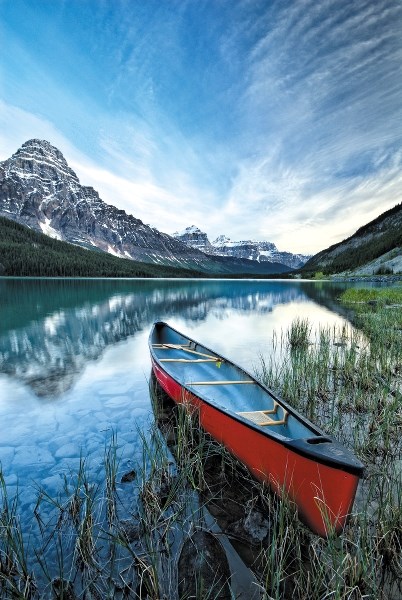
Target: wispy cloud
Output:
[(278, 121), (18, 125), (324, 103), (165, 207)]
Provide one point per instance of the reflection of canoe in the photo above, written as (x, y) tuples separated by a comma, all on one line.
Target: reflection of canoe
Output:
[(277, 444), (203, 568)]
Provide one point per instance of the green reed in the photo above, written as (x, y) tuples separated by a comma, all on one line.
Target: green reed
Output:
[(299, 333), (77, 550), (89, 546), (16, 577), (349, 383)]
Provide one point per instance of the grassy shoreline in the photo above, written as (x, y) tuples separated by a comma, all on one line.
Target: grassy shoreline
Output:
[(350, 384), (382, 296)]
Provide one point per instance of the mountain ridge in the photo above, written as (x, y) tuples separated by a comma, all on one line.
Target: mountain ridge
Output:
[(261, 251), (38, 189), (371, 244)]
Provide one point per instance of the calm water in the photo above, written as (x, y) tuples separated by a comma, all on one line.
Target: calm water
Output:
[(74, 362)]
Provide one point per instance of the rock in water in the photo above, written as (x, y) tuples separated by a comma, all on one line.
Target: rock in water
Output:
[(203, 568)]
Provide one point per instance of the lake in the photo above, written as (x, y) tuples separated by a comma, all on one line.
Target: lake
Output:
[(75, 367)]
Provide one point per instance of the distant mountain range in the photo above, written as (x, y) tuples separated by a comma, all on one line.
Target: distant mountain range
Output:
[(375, 248), (262, 252), (38, 189)]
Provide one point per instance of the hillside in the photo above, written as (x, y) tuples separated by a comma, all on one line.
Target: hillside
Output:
[(374, 248), (25, 252), (40, 190)]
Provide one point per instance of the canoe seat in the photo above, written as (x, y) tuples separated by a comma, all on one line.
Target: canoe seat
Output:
[(261, 417), (187, 348)]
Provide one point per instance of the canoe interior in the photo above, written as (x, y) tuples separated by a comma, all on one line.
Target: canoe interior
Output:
[(290, 454), (224, 384)]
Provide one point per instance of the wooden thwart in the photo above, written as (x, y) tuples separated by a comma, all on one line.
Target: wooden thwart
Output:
[(260, 417), (186, 349), (171, 346)]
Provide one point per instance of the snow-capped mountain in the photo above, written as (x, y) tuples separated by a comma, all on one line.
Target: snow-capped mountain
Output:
[(194, 238), (248, 249), (40, 190)]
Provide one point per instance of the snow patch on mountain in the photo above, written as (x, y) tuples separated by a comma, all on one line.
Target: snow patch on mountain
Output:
[(246, 249), (40, 190), (47, 229)]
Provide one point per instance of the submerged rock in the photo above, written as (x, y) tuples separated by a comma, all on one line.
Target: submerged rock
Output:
[(63, 589), (130, 530), (203, 568), (128, 477)]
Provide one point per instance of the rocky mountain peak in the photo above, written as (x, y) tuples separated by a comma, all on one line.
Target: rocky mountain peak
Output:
[(40, 190), (38, 158), (193, 237), (221, 240), (262, 252), (41, 147)]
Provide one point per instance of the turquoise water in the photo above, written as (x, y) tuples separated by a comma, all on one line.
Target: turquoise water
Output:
[(75, 367)]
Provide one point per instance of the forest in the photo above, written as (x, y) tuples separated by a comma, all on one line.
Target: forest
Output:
[(371, 241), (28, 253)]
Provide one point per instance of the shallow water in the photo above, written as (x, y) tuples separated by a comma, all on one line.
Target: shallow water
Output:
[(75, 367), (74, 361)]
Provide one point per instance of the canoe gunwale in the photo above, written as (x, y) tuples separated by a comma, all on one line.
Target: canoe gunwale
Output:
[(306, 447)]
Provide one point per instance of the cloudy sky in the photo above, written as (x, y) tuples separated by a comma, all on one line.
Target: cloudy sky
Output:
[(275, 120)]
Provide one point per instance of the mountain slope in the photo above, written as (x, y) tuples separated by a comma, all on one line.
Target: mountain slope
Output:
[(40, 190), (370, 242), (25, 252)]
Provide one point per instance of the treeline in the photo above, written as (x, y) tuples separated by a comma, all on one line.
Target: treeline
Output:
[(25, 252), (361, 253), (372, 226)]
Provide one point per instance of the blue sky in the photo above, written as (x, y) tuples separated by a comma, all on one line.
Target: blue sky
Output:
[(275, 120)]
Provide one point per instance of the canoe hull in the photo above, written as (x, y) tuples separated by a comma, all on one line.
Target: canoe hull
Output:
[(322, 493), (286, 451)]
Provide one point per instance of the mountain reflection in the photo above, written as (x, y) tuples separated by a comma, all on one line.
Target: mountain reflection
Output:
[(50, 329)]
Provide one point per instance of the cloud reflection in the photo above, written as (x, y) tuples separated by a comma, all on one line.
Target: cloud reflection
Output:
[(53, 329)]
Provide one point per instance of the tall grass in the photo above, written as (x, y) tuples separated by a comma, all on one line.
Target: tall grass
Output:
[(16, 578), (299, 334), (384, 296), (350, 385)]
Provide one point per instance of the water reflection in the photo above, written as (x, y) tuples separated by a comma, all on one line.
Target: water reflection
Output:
[(74, 365), (51, 329)]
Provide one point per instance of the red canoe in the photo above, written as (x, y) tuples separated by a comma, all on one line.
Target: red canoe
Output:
[(277, 444)]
